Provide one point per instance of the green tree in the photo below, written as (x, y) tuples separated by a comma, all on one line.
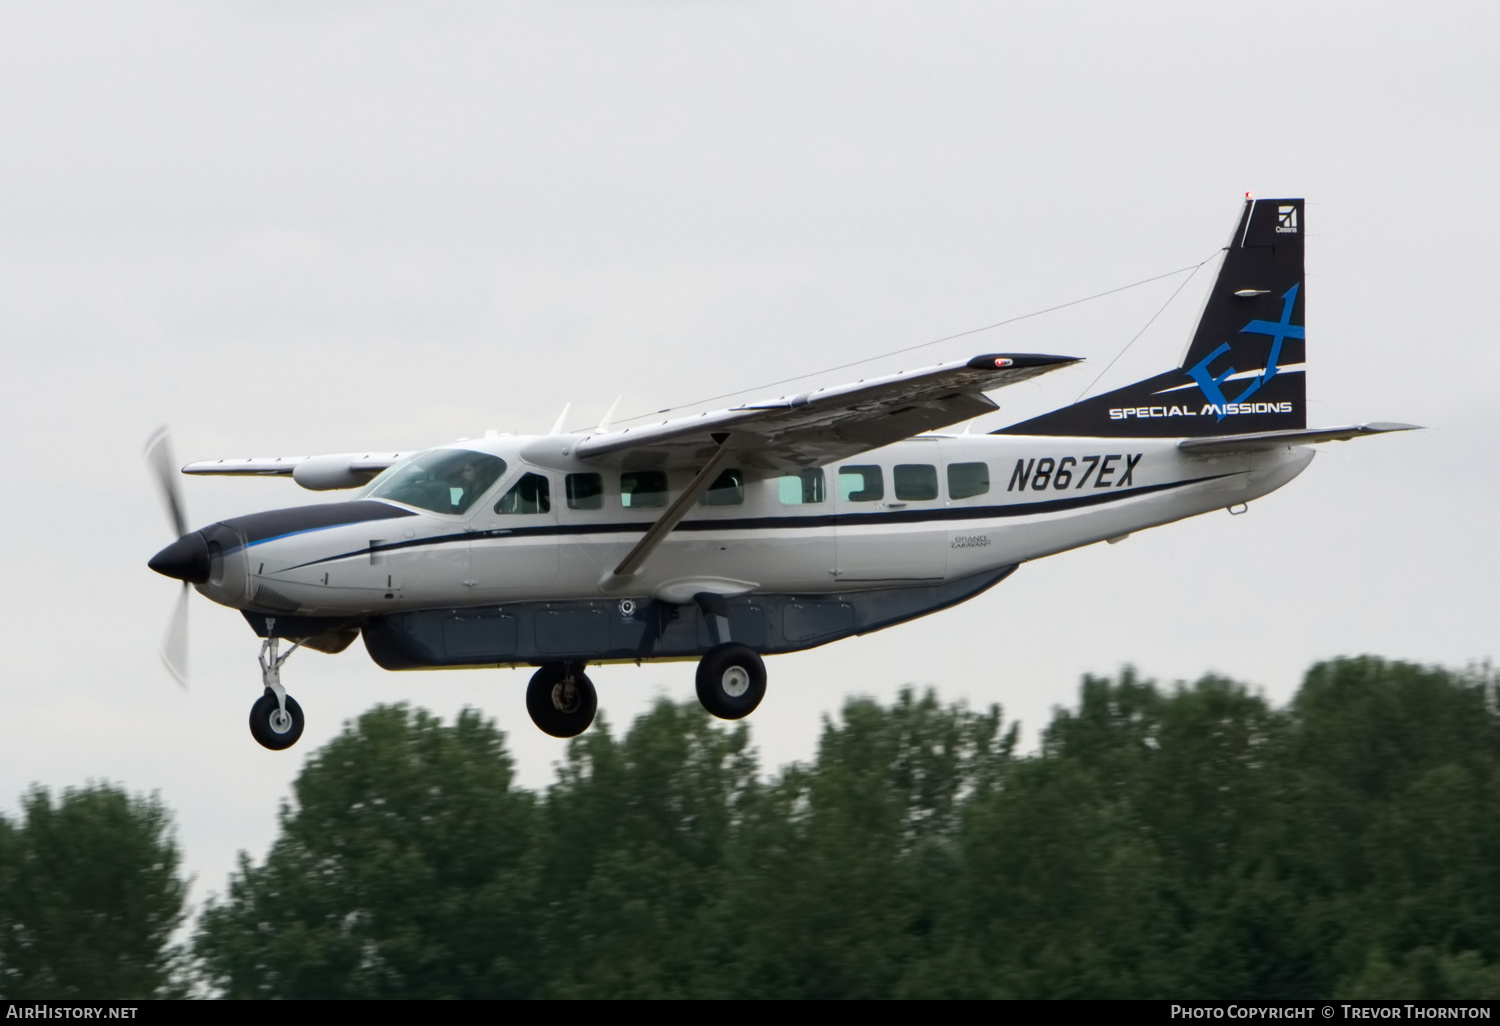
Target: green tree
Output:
[(1126, 859), (89, 896), (1395, 817), (636, 832), (1188, 841), (841, 880), (404, 868)]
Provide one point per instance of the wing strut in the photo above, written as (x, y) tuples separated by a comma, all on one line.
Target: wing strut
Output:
[(631, 564)]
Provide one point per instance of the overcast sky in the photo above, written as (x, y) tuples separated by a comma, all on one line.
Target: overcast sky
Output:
[(296, 228)]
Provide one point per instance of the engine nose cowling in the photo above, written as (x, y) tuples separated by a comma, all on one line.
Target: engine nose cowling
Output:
[(186, 559)]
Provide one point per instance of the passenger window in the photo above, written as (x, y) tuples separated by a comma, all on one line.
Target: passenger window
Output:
[(585, 491), (727, 490), (643, 489), (916, 481), (861, 484), (801, 489), (531, 494), (966, 480)]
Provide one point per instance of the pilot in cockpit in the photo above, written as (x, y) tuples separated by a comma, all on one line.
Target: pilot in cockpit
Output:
[(461, 489), (443, 481)]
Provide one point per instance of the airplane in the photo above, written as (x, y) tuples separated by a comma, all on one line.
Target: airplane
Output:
[(766, 528)]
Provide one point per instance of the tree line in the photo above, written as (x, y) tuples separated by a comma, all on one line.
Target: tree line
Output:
[(1189, 842)]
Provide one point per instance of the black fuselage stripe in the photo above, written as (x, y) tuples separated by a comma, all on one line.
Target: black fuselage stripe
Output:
[(912, 516)]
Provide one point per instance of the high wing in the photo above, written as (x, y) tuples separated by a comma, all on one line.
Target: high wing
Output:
[(787, 433), (1262, 441), (807, 430), (814, 428), (319, 473)]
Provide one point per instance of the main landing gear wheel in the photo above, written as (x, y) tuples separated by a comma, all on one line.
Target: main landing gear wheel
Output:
[(561, 700), (273, 728), (731, 680)]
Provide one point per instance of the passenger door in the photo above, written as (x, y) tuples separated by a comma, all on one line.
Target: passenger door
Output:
[(800, 550), (515, 540), (888, 523)]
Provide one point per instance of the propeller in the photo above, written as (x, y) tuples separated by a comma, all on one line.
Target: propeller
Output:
[(174, 644)]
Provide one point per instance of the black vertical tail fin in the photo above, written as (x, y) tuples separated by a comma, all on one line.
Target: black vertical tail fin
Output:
[(1244, 369)]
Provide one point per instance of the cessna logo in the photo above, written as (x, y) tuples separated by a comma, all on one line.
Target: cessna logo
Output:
[(1286, 220)]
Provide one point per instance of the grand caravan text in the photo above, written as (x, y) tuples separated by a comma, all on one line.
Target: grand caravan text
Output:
[(1224, 410)]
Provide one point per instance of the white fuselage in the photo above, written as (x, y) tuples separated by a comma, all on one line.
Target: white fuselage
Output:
[(1043, 495)]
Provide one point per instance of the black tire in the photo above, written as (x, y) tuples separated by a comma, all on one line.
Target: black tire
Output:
[(263, 722), (561, 700), (731, 680)]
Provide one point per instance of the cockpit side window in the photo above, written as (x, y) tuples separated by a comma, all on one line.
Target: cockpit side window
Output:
[(442, 481), (531, 494)]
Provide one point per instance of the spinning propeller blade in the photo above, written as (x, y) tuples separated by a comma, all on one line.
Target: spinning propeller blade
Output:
[(174, 644), (159, 458)]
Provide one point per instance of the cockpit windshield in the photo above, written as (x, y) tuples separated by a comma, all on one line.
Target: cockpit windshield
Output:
[(443, 480)]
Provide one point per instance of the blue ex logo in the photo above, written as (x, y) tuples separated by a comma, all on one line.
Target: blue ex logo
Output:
[(1278, 330)]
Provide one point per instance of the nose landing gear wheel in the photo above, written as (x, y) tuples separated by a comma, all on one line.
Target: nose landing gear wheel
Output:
[(731, 680), (273, 728), (561, 700)]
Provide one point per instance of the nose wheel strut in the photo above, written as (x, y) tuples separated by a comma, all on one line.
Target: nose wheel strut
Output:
[(276, 719)]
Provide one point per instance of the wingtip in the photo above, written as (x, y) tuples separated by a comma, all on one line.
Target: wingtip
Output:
[(990, 361)]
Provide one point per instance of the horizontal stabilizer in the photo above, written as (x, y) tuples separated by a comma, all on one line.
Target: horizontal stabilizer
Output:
[(1263, 441)]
